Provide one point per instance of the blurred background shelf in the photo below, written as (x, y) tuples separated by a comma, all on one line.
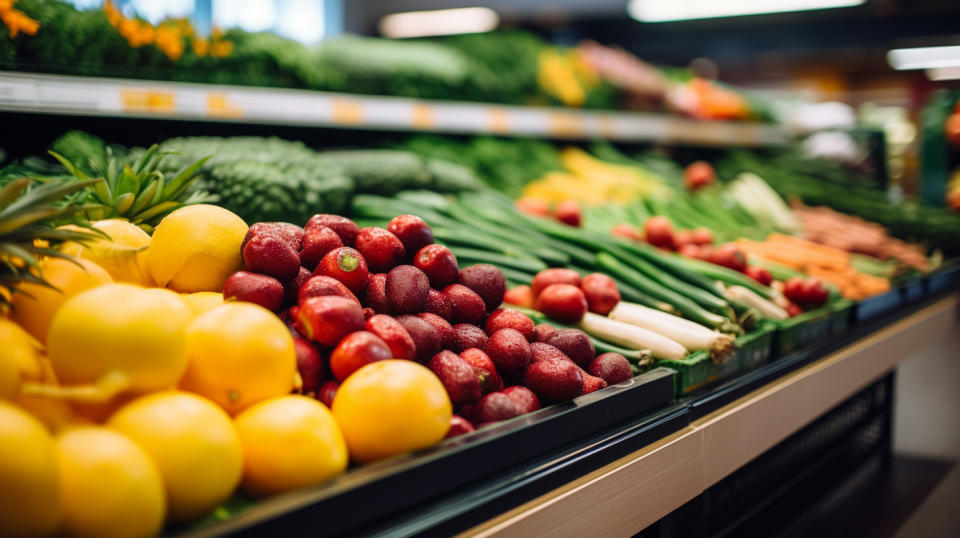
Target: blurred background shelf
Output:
[(127, 98)]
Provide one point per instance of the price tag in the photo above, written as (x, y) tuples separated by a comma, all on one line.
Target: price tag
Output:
[(219, 105), (605, 127), (154, 101), (565, 124), (499, 121), (423, 117), (347, 111)]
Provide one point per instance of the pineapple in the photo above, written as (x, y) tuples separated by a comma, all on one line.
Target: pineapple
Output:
[(139, 193), (26, 231)]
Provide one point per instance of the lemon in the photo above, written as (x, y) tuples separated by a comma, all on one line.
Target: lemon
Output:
[(196, 248), (108, 485), (34, 305), (202, 301), (194, 444), (240, 353), (29, 483), (389, 407), (136, 337), (289, 442), (122, 254)]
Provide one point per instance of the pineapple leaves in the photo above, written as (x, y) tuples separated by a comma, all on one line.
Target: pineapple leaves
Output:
[(11, 191), (183, 179)]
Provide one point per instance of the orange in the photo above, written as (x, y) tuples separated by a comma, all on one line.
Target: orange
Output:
[(389, 407), (34, 306), (289, 442), (239, 353), (29, 481), (194, 444)]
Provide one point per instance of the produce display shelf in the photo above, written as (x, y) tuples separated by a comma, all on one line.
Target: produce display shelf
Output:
[(130, 98), (383, 488), (468, 480), (636, 491)]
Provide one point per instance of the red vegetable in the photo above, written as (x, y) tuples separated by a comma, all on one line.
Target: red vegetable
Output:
[(659, 233), (601, 293), (759, 274), (699, 174), (563, 302), (568, 212), (728, 255)]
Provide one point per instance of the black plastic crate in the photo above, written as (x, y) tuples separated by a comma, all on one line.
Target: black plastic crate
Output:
[(380, 489)]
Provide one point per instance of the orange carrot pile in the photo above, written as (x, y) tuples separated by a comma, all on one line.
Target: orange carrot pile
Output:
[(824, 262), (853, 234)]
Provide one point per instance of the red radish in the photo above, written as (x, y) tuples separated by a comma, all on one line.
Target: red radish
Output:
[(344, 227), (533, 206), (591, 383), (458, 426), (356, 350), (320, 285), (317, 241), (626, 231), (728, 255), (815, 293), (412, 231), (394, 334), (375, 296), (543, 351), (702, 236), (601, 292), (575, 344), (263, 290), (468, 307), (659, 233), (439, 304), (290, 234), (329, 318), (309, 365), (426, 338), (568, 212), (438, 263), (519, 296), (382, 250), (760, 274), (699, 174), (346, 265), (327, 391), (493, 407), (793, 309), (406, 289), (457, 376), (510, 351), (270, 255), (563, 302), (291, 288), (554, 380), (487, 281), (485, 368), (544, 331), (683, 238), (504, 318), (611, 367), (692, 250), (554, 276), (466, 336), (525, 399), (442, 326)]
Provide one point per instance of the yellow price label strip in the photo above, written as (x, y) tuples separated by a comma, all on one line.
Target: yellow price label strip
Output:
[(347, 111), (563, 124), (219, 105), (499, 120), (423, 117), (148, 101)]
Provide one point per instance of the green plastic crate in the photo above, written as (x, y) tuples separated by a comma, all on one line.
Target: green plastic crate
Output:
[(699, 370), (798, 332)]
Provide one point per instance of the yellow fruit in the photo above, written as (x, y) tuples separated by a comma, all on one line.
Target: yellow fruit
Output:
[(389, 407), (29, 482), (289, 442), (18, 358), (240, 353), (134, 337), (202, 301), (194, 444), (123, 255), (196, 248), (34, 306), (108, 485)]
